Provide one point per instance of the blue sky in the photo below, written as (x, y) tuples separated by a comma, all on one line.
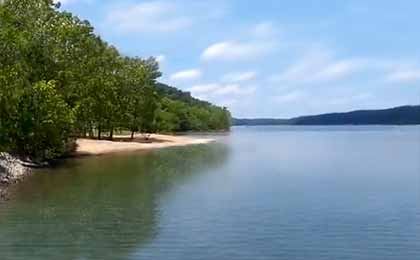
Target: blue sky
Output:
[(272, 58)]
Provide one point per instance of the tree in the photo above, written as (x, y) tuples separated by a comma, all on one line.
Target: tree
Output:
[(58, 79), (139, 104), (42, 125)]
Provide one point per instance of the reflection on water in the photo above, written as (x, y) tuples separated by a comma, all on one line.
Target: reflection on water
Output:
[(98, 207), (341, 192)]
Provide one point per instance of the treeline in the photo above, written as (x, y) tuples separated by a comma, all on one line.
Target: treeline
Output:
[(403, 115), (181, 112), (58, 81)]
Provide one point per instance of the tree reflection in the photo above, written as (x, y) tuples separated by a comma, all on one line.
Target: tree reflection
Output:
[(98, 207)]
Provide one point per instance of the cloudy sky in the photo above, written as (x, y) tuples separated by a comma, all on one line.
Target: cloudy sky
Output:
[(272, 58)]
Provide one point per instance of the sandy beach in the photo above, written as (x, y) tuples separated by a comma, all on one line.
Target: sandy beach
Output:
[(125, 144)]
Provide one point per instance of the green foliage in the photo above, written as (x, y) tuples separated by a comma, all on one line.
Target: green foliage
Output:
[(41, 124), (139, 102), (175, 115), (58, 79)]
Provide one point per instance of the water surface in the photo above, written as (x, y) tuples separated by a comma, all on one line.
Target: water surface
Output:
[(258, 193)]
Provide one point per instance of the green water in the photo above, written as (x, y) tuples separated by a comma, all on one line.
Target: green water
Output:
[(258, 193), (98, 207)]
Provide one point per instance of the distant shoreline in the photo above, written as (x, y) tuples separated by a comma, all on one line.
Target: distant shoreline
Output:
[(403, 115)]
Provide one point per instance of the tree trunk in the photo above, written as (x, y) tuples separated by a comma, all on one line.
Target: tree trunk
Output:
[(111, 134), (132, 135), (91, 134), (99, 133)]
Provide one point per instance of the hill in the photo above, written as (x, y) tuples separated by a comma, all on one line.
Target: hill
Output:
[(177, 94), (179, 112), (403, 115)]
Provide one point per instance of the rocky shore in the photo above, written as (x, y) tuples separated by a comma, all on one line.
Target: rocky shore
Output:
[(12, 170)]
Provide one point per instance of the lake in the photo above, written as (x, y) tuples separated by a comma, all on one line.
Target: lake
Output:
[(287, 192)]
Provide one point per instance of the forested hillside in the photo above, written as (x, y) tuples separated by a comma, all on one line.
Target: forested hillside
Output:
[(179, 111), (58, 81), (404, 115)]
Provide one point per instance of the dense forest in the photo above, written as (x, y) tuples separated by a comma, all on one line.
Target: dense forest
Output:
[(404, 115), (59, 81)]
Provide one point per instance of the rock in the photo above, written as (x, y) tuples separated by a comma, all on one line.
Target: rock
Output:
[(12, 168), (3, 194)]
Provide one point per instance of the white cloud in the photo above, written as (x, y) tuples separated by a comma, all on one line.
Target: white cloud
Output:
[(239, 76), (289, 97), (186, 75), (161, 58), (204, 88), (405, 76), (320, 67), (234, 89), (260, 42), (338, 69), (149, 17), (304, 68), (228, 102), (232, 50), (265, 29), (362, 97), (216, 90)]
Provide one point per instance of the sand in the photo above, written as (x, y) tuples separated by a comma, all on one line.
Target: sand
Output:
[(125, 144)]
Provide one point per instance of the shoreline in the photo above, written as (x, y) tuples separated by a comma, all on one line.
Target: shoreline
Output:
[(13, 170), (123, 143)]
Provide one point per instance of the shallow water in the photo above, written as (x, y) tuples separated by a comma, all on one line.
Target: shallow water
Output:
[(258, 193)]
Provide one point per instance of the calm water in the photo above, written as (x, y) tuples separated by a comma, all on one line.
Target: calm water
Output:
[(259, 193)]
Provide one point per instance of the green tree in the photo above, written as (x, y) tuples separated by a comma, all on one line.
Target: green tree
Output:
[(139, 102), (58, 79), (42, 125)]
